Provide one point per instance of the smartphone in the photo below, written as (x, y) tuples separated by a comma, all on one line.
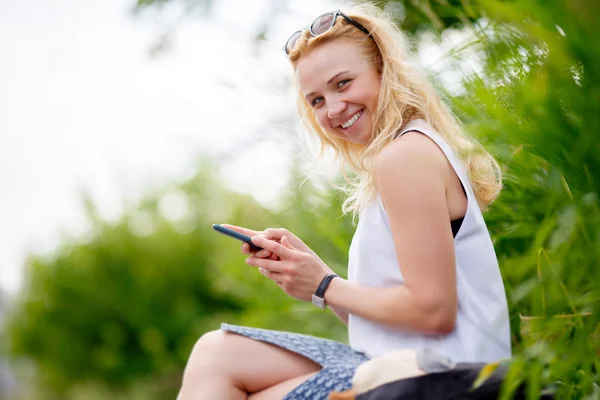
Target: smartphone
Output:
[(236, 235)]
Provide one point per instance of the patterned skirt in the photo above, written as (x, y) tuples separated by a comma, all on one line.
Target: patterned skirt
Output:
[(338, 360)]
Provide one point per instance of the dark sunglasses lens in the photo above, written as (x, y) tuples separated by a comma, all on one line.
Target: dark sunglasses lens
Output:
[(289, 46), (322, 24)]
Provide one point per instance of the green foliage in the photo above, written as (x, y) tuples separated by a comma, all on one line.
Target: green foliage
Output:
[(416, 16), (537, 105), (127, 302)]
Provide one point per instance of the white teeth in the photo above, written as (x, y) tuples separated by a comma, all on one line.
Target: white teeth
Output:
[(352, 120)]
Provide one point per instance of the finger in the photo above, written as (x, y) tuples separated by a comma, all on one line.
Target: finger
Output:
[(274, 276), (246, 248), (286, 243), (263, 254), (273, 247), (276, 233), (244, 231), (265, 263)]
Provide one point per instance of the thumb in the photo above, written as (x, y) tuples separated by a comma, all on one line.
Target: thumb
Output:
[(286, 243)]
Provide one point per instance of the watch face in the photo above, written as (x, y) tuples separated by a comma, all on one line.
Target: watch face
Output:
[(318, 301)]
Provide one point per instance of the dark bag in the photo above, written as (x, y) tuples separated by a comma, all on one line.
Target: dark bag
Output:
[(456, 383)]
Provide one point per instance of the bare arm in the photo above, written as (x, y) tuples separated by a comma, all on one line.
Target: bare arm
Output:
[(412, 175)]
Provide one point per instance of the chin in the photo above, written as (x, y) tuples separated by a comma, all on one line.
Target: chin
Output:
[(359, 142), (355, 139), (362, 139)]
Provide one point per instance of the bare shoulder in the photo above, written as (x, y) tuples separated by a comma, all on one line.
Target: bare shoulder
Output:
[(413, 154)]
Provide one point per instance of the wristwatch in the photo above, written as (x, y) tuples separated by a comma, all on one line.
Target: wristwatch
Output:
[(318, 298)]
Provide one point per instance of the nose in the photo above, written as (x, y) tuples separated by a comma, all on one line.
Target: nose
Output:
[(335, 107)]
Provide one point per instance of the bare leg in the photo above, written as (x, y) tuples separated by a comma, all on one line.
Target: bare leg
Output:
[(225, 365), (281, 389)]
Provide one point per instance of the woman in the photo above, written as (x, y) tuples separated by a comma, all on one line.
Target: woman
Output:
[(422, 270)]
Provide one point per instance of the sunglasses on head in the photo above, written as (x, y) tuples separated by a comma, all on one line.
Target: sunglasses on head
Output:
[(319, 26)]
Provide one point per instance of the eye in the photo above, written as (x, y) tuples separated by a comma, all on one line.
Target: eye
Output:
[(316, 101), (343, 83)]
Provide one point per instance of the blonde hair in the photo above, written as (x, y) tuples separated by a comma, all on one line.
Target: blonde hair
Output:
[(405, 94)]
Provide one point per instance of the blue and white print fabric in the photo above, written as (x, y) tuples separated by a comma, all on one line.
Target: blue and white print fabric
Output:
[(338, 360)]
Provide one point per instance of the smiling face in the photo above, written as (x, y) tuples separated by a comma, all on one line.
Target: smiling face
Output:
[(341, 84)]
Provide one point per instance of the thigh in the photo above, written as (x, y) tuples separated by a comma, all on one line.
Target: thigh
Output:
[(249, 364)]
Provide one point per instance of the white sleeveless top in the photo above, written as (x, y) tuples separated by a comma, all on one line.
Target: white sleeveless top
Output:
[(482, 330)]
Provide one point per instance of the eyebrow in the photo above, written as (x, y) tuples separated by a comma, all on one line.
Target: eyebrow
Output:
[(328, 82)]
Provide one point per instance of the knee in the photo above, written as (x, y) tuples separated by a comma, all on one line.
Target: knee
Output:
[(203, 360), (210, 346)]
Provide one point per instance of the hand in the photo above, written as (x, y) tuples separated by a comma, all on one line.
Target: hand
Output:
[(297, 272), (277, 233), (246, 249), (272, 234)]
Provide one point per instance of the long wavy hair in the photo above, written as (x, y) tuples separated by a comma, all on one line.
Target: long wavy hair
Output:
[(405, 94)]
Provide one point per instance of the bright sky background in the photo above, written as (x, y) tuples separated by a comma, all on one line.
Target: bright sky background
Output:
[(84, 106)]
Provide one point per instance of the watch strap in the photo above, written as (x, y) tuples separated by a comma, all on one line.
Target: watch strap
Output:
[(324, 284), (318, 298)]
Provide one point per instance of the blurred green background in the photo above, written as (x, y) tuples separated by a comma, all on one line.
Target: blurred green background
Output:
[(114, 314)]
